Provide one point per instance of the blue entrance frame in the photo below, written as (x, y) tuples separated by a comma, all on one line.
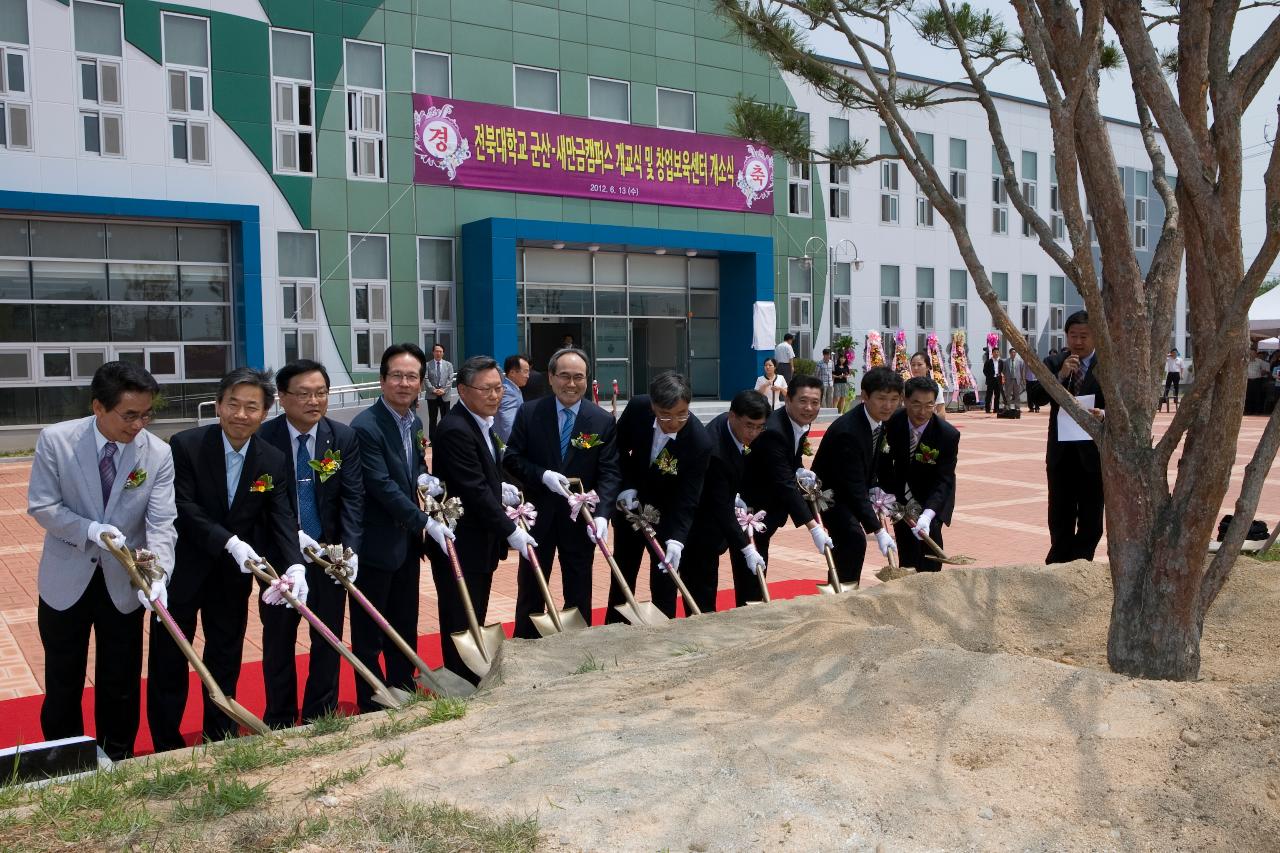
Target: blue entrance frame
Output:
[(489, 283), (246, 246)]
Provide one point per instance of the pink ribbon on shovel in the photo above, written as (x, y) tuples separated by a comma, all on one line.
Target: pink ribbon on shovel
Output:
[(750, 521), (577, 501), (522, 512), (883, 502), (274, 594)]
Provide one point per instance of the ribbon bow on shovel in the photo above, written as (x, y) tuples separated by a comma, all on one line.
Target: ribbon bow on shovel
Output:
[(522, 514), (552, 620), (751, 523), (577, 500)]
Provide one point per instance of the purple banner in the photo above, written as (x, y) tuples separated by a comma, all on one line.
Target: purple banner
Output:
[(482, 146)]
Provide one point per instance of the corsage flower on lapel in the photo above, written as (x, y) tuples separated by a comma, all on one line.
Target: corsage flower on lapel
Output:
[(137, 477), (667, 463), (926, 454), (806, 449), (586, 440), (328, 465), (422, 442), (498, 444), (262, 484)]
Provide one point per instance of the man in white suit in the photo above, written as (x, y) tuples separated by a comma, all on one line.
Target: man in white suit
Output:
[(101, 474)]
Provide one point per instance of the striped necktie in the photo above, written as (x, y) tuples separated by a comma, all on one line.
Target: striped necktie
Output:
[(107, 470)]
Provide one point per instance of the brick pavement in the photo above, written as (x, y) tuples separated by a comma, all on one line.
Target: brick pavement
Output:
[(999, 520)]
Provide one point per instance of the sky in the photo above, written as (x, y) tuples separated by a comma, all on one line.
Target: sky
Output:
[(1116, 95)]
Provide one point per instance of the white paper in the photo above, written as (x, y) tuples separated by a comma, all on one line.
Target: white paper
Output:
[(1068, 429), (764, 318)]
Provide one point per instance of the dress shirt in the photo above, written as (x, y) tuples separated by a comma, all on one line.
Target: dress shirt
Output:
[(405, 423), (234, 467), (660, 440), (729, 430), (875, 424), (486, 429), (100, 441), (800, 432), (783, 353), (311, 434)]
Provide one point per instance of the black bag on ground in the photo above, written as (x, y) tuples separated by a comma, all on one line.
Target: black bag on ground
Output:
[(1257, 530)]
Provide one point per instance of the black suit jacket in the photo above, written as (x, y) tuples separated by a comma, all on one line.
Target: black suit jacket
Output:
[(933, 484), (988, 368), (471, 474), (393, 523), (1067, 454), (715, 525), (534, 449), (769, 482), (265, 520), (339, 499), (846, 464), (675, 496)]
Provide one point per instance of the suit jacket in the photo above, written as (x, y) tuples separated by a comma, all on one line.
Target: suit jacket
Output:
[(933, 484), (1066, 454), (715, 524), (339, 499), (846, 464), (676, 495), (534, 448), (441, 378), (769, 482), (512, 400), (989, 368), (265, 520), (65, 495), (393, 522), (463, 463)]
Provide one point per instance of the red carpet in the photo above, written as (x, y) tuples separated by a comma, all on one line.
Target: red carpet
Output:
[(20, 718)]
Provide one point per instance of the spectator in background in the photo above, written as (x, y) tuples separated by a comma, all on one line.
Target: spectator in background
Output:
[(840, 379), (1172, 373), (1257, 371), (826, 375), (919, 366), (783, 353), (515, 377), (1031, 384), (439, 378), (991, 372), (772, 385), (1275, 382)]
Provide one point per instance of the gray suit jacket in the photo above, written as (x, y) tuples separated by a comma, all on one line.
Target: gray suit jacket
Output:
[(66, 495), (440, 378)]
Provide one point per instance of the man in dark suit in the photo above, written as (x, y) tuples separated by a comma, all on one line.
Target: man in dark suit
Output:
[(327, 488), (846, 463), (991, 372), (664, 452), (392, 460), (769, 481), (468, 461), (1073, 468), (553, 439), (919, 463), (232, 493), (715, 525)]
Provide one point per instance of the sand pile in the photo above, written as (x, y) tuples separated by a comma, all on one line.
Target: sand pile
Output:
[(967, 710)]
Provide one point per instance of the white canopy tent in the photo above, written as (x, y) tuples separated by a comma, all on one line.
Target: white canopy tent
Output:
[(1264, 314)]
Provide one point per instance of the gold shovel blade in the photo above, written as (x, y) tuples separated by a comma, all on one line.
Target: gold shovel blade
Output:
[(442, 682), (390, 697), (570, 620), (645, 613), (479, 660), (241, 715)]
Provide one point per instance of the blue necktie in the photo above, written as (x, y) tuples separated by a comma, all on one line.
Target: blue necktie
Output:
[(566, 430), (308, 514)]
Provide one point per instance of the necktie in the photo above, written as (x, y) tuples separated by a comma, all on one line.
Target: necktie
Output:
[(875, 439), (107, 470), (308, 513), (566, 430), (915, 440), (234, 463)]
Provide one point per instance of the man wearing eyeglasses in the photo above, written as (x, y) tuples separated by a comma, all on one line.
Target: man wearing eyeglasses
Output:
[(101, 474), (554, 439), (327, 489), (392, 456), (468, 460), (664, 452)]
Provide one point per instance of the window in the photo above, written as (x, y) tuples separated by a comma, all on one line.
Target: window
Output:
[(798, 189), (435, 291), (186, 68), (15, 77), (366, 132), (537, 89), (293, 107), (1141, 180), (838, 136), (999, 197), (924, 298), (924, 207), (890, 290), (99, 42), (959, 300), (1030, 183), (1030, 297), (959, 179), (1056, 222), (842, 298), (609, 100), (370, 299), (800, 304), (676, 109), (1057, 310), (888, 181), (298, 266), (432, 73)]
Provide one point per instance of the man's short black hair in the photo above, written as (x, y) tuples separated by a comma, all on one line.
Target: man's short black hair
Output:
[(476, 364), (513, 363), (1076, 319), (881, 379), (669, 388), (788, 337), (826, 351), (260, 379), (113, 379), (297, 368), (406, 348), (799, 383), (750, 404), (920, 383)]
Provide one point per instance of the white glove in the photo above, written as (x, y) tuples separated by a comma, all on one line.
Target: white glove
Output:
[(520, 541), (755, 563), (439, 532), (885, 541), (304, 542), (738, 502), (353, 563), (556, 483), (96, 529), (627, 499), (159, 592), (241, 553), (806, 478), (297, 575), (431, 484), (510, 495), (821, 540), (922, 525), (598, 530), (674, 549)]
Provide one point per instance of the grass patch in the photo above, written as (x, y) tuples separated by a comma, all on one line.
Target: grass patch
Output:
[(94, 807), (337, 780), (246, 754), (264, 833), (17, 454), (686, 649), (590, 663), (393, 757), (219, 798), (441, 710), (166, 783), (328, 746), (1270, 556), (330, 724)]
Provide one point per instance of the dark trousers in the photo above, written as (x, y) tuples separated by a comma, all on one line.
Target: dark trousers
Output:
[(1033, 394), (700, 569), (913, 553), (1255, 396), (221, 603), (557, 533), (1075, 512), (436, 408), (394, 594), (327, 600), (453, 617), (1171, 381), (117, 669), (784, 370), (628, 549), (746, 587), (848, 545), (994, 396)]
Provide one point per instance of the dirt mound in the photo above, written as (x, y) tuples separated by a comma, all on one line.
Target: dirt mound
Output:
[(967, 710)]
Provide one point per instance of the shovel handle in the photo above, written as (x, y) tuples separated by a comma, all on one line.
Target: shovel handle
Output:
[(832, 574), (608, 556), (675, 575), (552, 610), (473, 624)]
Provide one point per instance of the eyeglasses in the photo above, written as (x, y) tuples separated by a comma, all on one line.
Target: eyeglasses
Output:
[(488, 390), (404, 377), (575, 378), (233, 408), (135, 417), (672, 419), (318, 396)]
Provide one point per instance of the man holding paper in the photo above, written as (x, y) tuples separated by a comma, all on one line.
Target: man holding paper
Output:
[(1073, 467)]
